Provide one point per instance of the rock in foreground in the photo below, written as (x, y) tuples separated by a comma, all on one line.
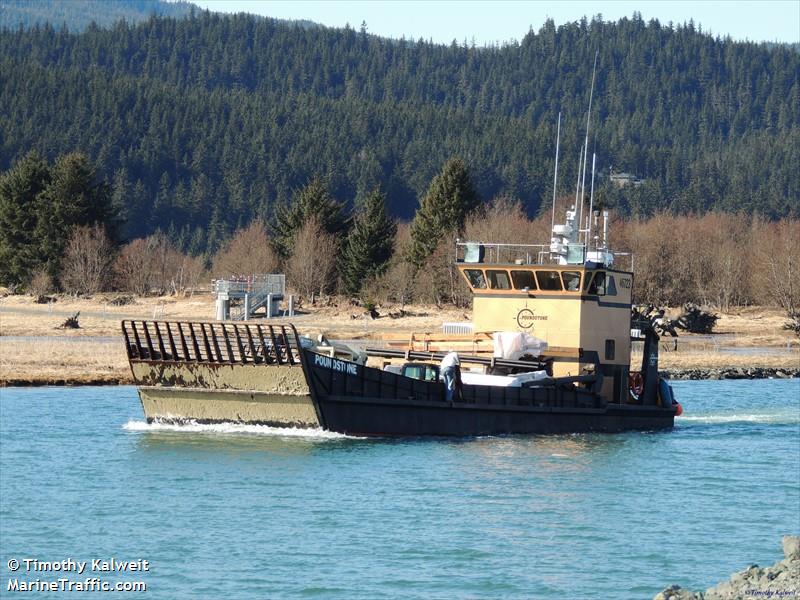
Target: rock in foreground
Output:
[(781, 580)]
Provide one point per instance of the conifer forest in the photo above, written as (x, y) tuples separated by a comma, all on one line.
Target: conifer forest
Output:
[(197, 126)]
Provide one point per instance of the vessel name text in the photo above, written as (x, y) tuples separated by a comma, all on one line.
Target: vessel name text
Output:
[(335, 364)]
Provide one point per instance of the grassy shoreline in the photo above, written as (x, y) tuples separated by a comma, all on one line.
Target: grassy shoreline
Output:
[(35, 352)]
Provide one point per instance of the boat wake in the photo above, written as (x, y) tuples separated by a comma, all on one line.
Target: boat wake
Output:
[(234, 429), (768, 418)]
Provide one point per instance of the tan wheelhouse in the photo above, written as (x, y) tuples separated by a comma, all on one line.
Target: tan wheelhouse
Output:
[(579, 310)]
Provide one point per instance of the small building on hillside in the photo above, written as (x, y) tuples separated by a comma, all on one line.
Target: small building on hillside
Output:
[(624, 179)]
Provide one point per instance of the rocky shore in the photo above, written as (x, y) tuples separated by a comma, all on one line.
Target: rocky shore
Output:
[(781, 580), (732, 373), (65, 381)]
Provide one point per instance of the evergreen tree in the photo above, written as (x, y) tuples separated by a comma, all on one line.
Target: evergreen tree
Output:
[(313, 200), (120, 198), (370, 243), (40, 205), (72, 197), (19, 189), (196, 242), (449, 199), (216, 233)]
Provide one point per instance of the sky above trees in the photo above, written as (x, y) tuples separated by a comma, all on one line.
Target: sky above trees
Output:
[(500, 21)]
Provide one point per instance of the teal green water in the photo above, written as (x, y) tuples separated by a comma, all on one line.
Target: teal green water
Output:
[(255, 512)]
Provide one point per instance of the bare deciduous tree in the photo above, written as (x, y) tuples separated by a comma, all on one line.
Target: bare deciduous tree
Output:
[(397, 283), (727, 238), (504, 221), (709, 261), (152, 264), (660, 249), (311, 269), (86, 268), (438, 281), (162, 254), (133, 267), (247, 252), (187, 271), (41, 283), (777, 270)]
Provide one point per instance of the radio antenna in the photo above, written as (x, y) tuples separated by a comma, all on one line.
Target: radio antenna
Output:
[(578, 184), (586, 142), (555, 173), (591, 201)]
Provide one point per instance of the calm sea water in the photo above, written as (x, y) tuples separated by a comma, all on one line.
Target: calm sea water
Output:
[(244, 512)]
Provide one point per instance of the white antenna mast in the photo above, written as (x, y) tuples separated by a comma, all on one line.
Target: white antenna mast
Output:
[(578, 184), (586, 143), (591, 198), (555, 174)]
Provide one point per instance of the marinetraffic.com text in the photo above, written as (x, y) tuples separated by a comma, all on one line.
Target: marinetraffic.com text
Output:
[(70, 575)]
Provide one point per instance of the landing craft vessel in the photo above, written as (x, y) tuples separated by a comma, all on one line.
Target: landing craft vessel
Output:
[(550, 341), (549, 352)]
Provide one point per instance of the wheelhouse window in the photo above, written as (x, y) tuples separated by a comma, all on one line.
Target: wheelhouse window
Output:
[(602, 285), (549, 280), (523, 280), (611, 288), (475, 278), (572, 281), (598, 285), (498, 280)]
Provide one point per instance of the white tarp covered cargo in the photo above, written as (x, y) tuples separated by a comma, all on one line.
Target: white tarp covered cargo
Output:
[(512, 345)]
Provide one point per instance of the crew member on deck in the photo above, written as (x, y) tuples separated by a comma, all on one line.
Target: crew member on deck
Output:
[(451, 371)]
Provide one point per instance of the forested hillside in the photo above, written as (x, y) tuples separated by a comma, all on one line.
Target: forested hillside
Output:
[(203, 123), (77, 15)]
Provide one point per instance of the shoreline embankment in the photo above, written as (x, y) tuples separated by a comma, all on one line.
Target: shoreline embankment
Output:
[(781, 580)]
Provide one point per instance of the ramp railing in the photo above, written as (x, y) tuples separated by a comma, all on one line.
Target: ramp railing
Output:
[(217, 343)]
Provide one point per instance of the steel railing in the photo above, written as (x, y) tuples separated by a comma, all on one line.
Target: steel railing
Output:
[(251, 284), (521, 254), (492, 253), (217, 343)]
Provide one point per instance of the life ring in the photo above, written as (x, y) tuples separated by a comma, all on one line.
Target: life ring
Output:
[(636, 383)]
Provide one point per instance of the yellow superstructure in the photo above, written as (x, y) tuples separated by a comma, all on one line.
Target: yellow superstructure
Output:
[(582, 312)]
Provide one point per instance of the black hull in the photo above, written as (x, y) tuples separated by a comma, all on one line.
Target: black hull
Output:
[(374, 416), (366, 401)]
